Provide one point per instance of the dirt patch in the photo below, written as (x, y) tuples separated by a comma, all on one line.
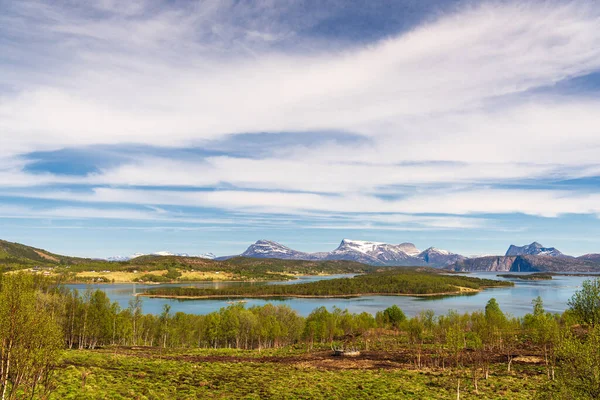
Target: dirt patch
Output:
[(323, 360), (318, 360), (529, 360), (46, 256), (194, 276)]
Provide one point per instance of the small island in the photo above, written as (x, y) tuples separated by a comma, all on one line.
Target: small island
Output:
[(538, 276), (394, 282)]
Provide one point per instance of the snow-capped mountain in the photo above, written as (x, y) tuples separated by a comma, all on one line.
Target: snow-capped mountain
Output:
[(409, 249), (208, 256), (168, 253), (533, 249), (367, 252), (438, 257), (270, 249), (375, 253)]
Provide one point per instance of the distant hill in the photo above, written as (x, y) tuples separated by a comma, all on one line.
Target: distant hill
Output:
[(590, 257), (526, 263), (16, 253), (16, 256), (209, 256), (533, 257)]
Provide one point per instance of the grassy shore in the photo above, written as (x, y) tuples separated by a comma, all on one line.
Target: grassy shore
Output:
[(171, 269)]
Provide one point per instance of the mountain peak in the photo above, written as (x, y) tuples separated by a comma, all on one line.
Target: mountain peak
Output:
[(436, 250), (208, 256), (409, 248), (534, 249), (358, 245), (270, 249)]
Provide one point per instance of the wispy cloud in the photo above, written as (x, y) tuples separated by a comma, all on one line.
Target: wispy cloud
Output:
[(456, 112)]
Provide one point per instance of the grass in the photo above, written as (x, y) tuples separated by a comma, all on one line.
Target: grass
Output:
[(142, 375)]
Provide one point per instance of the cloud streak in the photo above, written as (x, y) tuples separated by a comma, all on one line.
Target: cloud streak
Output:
[(439, 122)]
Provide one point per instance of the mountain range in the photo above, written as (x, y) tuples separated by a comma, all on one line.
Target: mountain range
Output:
[(208, 256), (531, 257), (372, 253), (528, 258)]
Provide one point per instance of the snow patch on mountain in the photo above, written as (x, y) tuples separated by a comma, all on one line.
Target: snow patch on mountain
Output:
[(363, 251), (208, 256), (533, 249), (359, 245), (269, 249)]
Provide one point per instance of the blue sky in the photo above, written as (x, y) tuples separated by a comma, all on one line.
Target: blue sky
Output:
[(204, 126)]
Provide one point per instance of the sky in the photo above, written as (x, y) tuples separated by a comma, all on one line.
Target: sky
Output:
[(203, 126)]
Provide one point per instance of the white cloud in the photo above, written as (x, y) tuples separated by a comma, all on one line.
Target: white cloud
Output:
[(453, 64), (545, 203), (444, 104)]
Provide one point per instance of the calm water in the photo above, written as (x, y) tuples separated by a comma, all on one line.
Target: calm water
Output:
[(515, 300)]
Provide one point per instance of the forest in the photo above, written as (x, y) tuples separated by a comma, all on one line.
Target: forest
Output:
[(397, 281), (53, 338)]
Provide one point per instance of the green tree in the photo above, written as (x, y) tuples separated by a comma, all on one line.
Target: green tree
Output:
[(172, 274), (585, 303), (29, 339), (394, 316), (416, 330), (579, 366), (165, 319), (135, 308), (544, 330)]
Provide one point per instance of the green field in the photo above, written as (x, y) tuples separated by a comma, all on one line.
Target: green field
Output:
[(61, 344), (281, 374)]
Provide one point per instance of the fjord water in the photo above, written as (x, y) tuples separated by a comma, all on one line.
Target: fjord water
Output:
[(513, 300)]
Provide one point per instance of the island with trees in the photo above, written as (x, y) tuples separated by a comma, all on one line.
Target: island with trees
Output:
[(538, 276), (406, 281)]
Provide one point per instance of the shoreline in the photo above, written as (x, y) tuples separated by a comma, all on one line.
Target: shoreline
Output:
[(293, 276), (304, 296)]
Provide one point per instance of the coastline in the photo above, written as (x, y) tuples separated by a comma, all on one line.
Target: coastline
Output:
[(462, 291)]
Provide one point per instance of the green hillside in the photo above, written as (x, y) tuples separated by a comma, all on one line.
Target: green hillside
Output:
[(19, 255), (16, 256)]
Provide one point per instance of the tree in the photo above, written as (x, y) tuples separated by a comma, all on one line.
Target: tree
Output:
[(394, 316), (579, 367), (29, 339), (491, 333), (585, 303), (510, 339), (135, 308), (416, 329), (544, 330), (165, 317)]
